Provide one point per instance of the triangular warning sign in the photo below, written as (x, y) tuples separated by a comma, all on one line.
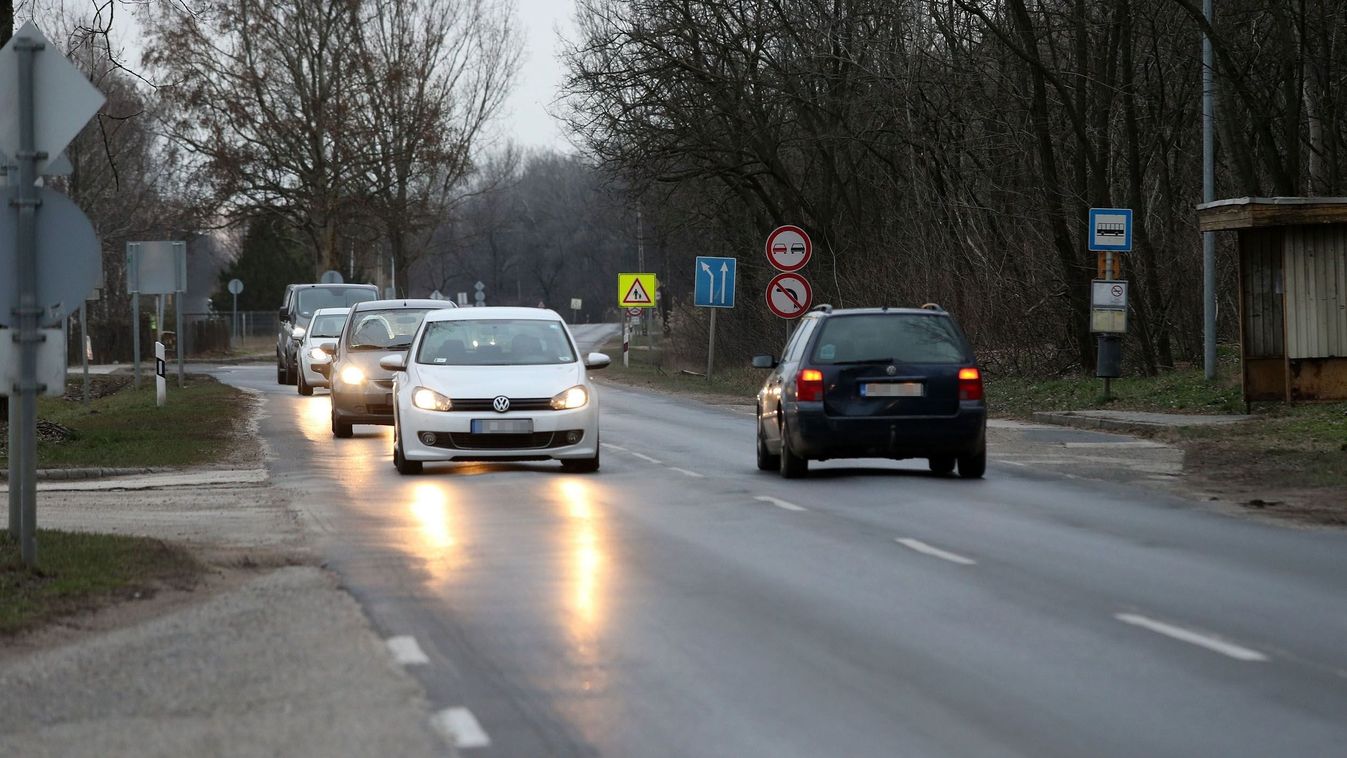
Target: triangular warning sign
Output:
[(636, 295)]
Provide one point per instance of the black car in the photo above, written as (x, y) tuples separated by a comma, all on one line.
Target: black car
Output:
[(301, 300), (873, 383), (362, 390)]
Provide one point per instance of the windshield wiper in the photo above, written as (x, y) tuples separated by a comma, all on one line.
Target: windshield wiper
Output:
[(863, 361)]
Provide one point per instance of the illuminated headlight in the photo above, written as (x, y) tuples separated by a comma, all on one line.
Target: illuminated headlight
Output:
[(430, 400), (317, 354), (352, 375), (575, 397), (297, 332)]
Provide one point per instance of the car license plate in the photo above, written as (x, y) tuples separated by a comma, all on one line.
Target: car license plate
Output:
[(502, 426), (893, 389)]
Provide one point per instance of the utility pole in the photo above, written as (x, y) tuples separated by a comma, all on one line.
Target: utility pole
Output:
[(1208, 195)]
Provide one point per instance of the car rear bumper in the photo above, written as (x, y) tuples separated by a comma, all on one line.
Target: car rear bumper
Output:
[(454, 441), (814, 434)]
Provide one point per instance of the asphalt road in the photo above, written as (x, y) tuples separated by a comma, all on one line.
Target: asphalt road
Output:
[(680, 603)]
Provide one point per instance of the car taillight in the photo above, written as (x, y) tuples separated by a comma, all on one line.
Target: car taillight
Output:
[(809, 385), (970, 384)]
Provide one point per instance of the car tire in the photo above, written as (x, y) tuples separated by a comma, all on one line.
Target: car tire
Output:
[(404, 466), (340, 429), (291, 374), (583, 465), (305, 388), (792, 465), (942, 464), (975, 465), (766, 460), (280, 373)]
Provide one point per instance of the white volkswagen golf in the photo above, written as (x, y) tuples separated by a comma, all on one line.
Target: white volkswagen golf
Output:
[(494, 384)]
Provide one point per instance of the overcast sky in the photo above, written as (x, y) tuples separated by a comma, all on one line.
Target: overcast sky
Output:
[(526, 119)]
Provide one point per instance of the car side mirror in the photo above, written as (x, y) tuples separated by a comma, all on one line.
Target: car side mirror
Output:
[(328, 347), (395, 362), (764, 361), (596, 361)]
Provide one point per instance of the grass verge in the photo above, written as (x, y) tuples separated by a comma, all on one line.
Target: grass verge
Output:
[(122, 427), (79, 572), (647, 369)]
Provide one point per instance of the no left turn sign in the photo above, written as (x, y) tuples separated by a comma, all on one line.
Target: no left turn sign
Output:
[(789, 295), (789, 248)]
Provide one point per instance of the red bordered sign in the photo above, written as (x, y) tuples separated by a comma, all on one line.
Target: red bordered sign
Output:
[(789, 248), (789, 295)]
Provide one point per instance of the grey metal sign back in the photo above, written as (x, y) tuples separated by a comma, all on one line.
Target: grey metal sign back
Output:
[(65, 104), (156, 268), (331, 277), (69, 261), (235, 286)]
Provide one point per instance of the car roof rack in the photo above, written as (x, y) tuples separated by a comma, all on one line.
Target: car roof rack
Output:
[(824, 307), (933, 307)]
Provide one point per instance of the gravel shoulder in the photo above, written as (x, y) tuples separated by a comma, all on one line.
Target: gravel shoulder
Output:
[(267, 655)]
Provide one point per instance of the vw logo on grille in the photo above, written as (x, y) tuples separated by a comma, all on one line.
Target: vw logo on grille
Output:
[(891, 370), (501, 404)]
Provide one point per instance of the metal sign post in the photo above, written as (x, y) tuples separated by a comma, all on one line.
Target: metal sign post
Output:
[(713, 286), (84, 352), (236, 287), (135, 337), (28, 312)]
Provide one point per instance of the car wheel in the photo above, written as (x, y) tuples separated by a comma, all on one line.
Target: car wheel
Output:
[(305, 388), (280, 373), (400, 462), (340, 429), (942, 464), (792, 465), (583, 465), (975, 465), (766, 461), (291, 374)]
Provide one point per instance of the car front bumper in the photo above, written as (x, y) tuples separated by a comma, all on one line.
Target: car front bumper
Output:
[(815, 434), (311, 375), (454, 440), (366, 403)]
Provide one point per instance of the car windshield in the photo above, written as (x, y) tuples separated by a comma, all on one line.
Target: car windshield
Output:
[(897, 337), (495, 342), (313, 298), (327, 325), (385, 330)]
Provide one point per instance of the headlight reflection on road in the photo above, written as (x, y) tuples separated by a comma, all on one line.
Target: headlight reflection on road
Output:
[(585, 559), (315, 418), (433, 514)]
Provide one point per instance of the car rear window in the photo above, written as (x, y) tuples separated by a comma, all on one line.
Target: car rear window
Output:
[(495, 342), (897, 337), (313, 298), (327, 325)]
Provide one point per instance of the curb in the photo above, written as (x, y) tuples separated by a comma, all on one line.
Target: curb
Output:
[(76, 474), (1090, 422)]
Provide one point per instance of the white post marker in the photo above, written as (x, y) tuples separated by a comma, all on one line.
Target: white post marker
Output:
[(160, 385), (626, 341)]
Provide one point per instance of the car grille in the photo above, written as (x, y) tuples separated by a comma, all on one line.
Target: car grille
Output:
[(386, 384), (534, 441), (379, 410), (520, 404)]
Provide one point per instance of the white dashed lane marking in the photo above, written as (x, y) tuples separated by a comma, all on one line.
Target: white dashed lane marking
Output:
[(406, 651), (778, 502), (935, 552), (1214, 644), (460, 728), (685, 472)]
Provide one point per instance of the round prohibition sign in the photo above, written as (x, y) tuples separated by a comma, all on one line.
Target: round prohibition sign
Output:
[(789, 248), (789, 295), (1117, 290)]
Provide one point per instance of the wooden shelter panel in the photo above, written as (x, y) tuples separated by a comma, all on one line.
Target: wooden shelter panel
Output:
[(1261, 273), (1319, 379), (1264, 379), (1316, 293)]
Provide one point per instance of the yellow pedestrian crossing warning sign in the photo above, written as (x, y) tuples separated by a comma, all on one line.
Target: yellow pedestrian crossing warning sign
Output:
[(636, 290)]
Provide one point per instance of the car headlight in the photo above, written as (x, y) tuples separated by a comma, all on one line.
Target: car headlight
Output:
[(430, 400), (317, 354), (352, 375), (297, 332), (575, 397)]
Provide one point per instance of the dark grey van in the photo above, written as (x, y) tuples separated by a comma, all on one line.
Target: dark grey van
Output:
[(301, 300)]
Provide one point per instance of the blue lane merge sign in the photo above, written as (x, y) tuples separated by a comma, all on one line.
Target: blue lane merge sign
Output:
[(714, 282), (1110, 229)]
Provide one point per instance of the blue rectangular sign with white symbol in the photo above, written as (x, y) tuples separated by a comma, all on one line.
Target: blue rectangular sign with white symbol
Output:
[(714, 282), (1110, 229)]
